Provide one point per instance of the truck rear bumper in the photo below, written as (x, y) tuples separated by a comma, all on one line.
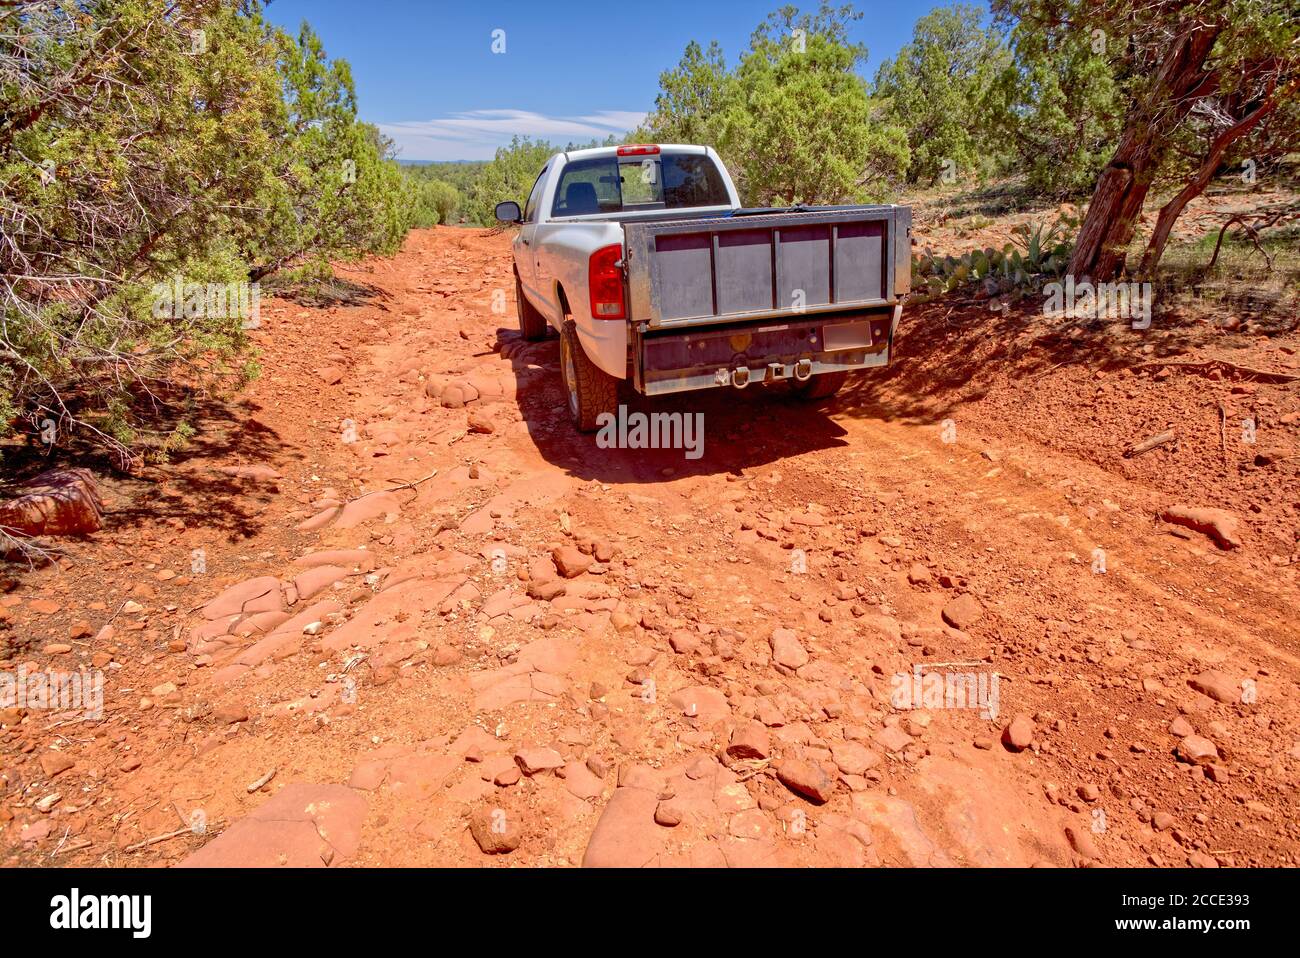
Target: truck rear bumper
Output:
[(760, 351)]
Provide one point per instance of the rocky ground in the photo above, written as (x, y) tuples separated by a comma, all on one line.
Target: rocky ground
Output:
[(389, 609)]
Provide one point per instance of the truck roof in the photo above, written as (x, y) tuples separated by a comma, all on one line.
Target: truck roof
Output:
[(613, 150)]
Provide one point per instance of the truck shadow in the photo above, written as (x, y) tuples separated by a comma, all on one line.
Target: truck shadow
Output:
[(720, 431)]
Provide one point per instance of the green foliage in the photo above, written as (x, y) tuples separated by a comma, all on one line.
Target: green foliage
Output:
[(8, 408), (459, 174), (510, 176), (333, 190), (175, 441), (433, 201), (1056, 108), (793, 121), (692, 97), (1046, 246), (446, 200), (148, 141), (937, 89), (440, 190)]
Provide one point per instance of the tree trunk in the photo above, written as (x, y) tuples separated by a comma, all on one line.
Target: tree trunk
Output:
[(1174, 208), (1107, 230)]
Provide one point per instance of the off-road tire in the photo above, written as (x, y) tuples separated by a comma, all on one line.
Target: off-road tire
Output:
[(591, 391), (821, 386), (532, 324)]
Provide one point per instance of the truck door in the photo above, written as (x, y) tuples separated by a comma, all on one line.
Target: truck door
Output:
[(525, 243)]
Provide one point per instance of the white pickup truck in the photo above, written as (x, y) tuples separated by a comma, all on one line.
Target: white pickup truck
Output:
[(645, 262)]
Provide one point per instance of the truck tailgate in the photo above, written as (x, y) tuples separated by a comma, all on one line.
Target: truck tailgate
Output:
[(735, 268)]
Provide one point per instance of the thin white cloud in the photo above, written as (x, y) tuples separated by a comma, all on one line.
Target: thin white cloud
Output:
[(477, 134)]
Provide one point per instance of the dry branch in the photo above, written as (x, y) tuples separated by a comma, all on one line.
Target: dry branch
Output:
[(1146, 445)]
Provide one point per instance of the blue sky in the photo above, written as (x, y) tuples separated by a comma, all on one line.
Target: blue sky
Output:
[(426, 74)]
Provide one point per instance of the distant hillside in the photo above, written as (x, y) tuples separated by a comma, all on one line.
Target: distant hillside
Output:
[(439, 162)]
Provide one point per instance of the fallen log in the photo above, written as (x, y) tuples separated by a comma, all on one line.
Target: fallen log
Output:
[(1245, 372)]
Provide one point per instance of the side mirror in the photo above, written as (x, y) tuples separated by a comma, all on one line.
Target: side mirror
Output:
[(509, 212)]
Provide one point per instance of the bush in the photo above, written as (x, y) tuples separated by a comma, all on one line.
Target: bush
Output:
[(936, 89), (157, 158), (433, 201), (1056, 108), (793, 121)]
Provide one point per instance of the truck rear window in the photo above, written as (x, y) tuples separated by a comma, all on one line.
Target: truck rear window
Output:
[(612, 184)]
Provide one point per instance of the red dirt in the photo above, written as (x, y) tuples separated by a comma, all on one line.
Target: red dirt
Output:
[(633, 684)]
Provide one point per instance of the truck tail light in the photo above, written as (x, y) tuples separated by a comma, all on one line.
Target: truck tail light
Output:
[(638, 149), (605, 281)]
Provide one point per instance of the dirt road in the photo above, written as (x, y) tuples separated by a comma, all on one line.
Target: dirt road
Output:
[(373, 602)]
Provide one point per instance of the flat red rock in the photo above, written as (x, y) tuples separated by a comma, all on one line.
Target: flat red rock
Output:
[(304, 826)]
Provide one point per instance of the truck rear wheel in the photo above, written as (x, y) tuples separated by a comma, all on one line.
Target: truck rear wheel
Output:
[(589, 390), (532, 324), (821, 386)]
